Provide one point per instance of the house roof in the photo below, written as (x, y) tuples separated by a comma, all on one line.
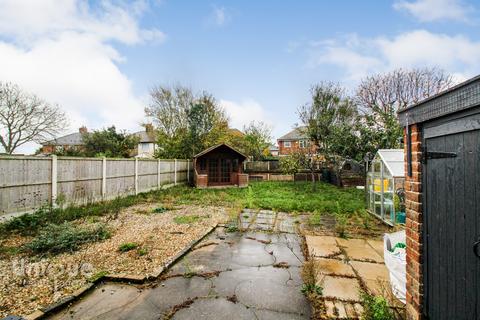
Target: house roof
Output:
[(393, 160), (219, 146), (145, 136), (295, 134), (73, 139)]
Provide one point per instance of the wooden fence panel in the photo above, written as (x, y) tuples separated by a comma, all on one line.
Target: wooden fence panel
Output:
[(27, 183), (79, 180)]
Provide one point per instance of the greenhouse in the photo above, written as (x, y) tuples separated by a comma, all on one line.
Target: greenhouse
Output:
[(385, 186)]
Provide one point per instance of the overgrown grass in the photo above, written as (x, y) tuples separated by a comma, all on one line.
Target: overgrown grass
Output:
[(275, 195), (65, 237), (187, 219)]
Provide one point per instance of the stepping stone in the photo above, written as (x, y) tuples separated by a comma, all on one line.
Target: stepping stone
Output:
[(333, 267), (359, 249), (377, 245), (330, 306), (342, 313), (340, 288), (322, 246), (371, 271)]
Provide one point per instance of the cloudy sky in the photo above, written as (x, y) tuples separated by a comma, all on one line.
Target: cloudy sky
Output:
[(99, 59)]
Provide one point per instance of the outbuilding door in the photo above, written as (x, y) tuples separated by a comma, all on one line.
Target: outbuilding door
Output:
[(451, 183)]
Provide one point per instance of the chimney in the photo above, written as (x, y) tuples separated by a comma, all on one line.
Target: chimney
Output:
[(83, 130), (149, 127)]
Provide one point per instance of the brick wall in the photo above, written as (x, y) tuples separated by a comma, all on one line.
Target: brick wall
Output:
[(242, 179), (294, 146), (413, 228)]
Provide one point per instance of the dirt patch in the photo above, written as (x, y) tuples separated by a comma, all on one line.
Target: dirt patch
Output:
[(27, 283)]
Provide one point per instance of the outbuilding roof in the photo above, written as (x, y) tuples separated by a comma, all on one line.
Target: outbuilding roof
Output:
[(219, 146), (460, 97), (393, 160)]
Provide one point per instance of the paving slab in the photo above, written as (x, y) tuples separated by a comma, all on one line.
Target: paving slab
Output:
[(322, 246), (359, 249), (340, 288), (274, 315), (371, 271), (333, 267), (214, 309), (377, 245)]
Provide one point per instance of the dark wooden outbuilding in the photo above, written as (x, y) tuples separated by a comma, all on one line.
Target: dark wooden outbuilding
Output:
[(220, 165), (442, 186)]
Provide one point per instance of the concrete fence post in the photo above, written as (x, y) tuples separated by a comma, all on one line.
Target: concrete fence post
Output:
[(104, 177), (54, 180), (188, 171), (136, 175), (175, 172), (159, 174)]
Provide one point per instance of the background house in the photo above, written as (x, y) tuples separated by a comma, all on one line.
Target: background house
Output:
[(72, 141), (147, 144), (293, 141)]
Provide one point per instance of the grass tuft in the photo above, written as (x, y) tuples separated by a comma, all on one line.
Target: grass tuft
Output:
[(127, 246)]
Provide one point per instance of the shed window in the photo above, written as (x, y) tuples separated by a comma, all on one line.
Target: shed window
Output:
[(203, 164)]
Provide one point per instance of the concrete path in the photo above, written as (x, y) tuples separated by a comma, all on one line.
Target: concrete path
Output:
[(249, 275)]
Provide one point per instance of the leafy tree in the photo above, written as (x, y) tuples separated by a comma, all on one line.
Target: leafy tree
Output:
[(186, 123), (257, 138), (25, 118), (291, 164), (109, 143), (328, 118)]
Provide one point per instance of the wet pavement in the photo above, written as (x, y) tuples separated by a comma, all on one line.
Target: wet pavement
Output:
[(239, 275)]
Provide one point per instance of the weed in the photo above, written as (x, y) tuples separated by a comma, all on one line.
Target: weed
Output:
[(315, 219), (375, 308), (64, 237), (159, 210), (231, 228), (142, 251), (187, 219), (246, 216), (308, 288), (98, 276), (127, 246)]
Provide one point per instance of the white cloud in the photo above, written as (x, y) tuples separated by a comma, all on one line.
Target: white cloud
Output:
[(359, 57), (431, 10), (242, 113), (218, 17), (62, 51)]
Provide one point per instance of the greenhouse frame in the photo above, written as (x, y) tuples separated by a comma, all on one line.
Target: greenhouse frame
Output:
[(386, 200)]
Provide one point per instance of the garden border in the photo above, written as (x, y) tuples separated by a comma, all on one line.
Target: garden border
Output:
[(126, 278)]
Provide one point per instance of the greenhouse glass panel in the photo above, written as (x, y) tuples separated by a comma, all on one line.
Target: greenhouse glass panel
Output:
[(385, 186)]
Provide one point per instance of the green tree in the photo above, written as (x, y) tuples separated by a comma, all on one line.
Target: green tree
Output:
[(186, 123), (257, 138), (109, 143), (329, 119)]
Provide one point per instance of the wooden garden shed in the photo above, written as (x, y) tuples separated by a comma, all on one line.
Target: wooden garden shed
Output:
[(219, 166), (442, 185)]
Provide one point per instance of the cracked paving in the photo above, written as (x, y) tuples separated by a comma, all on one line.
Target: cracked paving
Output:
[(249, 275)]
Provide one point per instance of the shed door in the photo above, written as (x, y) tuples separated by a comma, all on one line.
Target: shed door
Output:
[(452, 220)]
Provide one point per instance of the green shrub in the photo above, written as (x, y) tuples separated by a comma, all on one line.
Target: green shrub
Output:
[(232, 228), (375, 308), (64, 237), (159, 210), (187, 219), (127, 246)]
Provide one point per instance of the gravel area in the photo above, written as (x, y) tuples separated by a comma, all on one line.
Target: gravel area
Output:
[(27, 283)]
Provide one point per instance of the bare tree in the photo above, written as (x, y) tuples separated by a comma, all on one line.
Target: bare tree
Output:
[(169, 107), (400, 88), (25, 118)]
